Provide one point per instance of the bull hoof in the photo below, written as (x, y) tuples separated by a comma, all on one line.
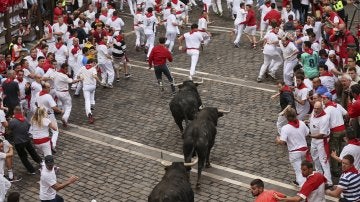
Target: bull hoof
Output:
[(208, 165)]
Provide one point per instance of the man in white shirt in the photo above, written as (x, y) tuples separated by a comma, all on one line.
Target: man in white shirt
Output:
[(74, 52), (171, 30), (49, 35), (48, 181), (320, 132), (90, 14), (193, 40), (150, 24), (301, 97), (139, 28), (61, 52), (23, 85), (39, 69), (352, 148), (60, 28), (35, 89), (290, 52), (32, 59), (265, 8), (88, 75), (286, 13), (105, 63), (294, 135), (202, 23), (61, 82), (44, 99), (3, 156), (239, 28)]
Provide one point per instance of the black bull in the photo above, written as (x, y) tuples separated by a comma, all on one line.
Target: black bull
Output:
[(174, 186), (199, 137), (185, 104)]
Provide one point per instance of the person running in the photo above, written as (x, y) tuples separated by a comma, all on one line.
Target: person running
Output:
[(150, 23), (193, 40), (171, 29), (250, 23), (119, 56), (158, 57)]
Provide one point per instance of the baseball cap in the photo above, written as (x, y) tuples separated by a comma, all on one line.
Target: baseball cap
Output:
[(327, 95), (49, 160)]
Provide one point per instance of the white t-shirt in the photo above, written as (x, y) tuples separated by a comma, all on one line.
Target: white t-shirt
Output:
[(285, 15), (32, 63), (35, 89), (102, 51), (269, 48), (61, 54), (39, 71), (50, 74), (193, 40), (353, 150), (289, 50), (47, 179), (319, 125), (236, 6), (169, 24), (302, 95), (21, 87), (2, 162), (336, 115), (103, 18), (2, 119), (90, 16), (88, 75), (116, 24), (139, 20), (295, 138), (150, 25), (328, 82), (61, 81), (202, 23), (240, 16), (46, 101), (264, 10), (39, 132), (60, 28)]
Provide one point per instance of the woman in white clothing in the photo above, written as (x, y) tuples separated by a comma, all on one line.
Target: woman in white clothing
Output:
[(39, 130)]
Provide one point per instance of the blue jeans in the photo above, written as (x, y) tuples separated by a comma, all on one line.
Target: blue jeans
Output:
[(159, 70), (56, 199)]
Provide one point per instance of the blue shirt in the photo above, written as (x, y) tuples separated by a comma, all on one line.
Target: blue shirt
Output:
[(321, 90)]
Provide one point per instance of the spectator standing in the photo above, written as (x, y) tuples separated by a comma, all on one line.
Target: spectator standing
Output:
[(19, 129), (48, 182), (11, 92)]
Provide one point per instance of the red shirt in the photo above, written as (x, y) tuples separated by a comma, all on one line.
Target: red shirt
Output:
[(273, 15), (98, 35), (158, 56), (268, 196), (57, 12), (342, 42), (250, 18), (354, 108)]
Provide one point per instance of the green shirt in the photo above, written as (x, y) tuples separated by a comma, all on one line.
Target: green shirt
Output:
[(310, 64)]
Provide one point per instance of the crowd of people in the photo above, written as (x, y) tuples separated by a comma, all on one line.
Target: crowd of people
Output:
[(319, 90)]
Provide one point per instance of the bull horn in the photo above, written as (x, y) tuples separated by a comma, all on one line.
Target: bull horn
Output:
[(165, 163), (283, 111), (224, 111), (192, 163), (202, 81)]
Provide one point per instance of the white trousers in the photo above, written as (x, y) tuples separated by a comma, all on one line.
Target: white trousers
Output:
[(217, 7), (44, 148), (170, 40), (89, 96), (194, 54), (107, 72), (65, 99), (55, 133), (295, 158), (274, 60), (319, 157), (238, 31), (140, 36), (150, 39), (289, 71)]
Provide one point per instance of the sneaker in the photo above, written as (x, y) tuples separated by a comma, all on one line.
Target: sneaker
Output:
[(64, 123), (117, 79), (53, 150), (272, 75), (236, 45), (127, 76), (91, 118), (295, 183), (259, 79), (76, 95), (161, 86), (32, 173), (103, 84), (190, 78), (14, 179), (110, 86), (92, 107)]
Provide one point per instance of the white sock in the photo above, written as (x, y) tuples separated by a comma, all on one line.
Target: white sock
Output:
[(10, 174)]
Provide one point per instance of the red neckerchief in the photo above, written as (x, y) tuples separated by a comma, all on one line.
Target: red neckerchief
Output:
[(174, 1), (88, 66), (295, 123), (193, 31), (75, 49), (322, 113), (119, 38), (354, 142), (168, 7), (104, 13), (33, 58), (202, 17), (8, 80), (327, 73), (62, 71), (301, 86), (101, 43), (330, 103), (19, 79), (139, 12), (58, 45), (285, 88), (42, 93), (149, 15), (267, 5), (50, 28), (113, 18), (19, 116), (310, 51), (352, 169)]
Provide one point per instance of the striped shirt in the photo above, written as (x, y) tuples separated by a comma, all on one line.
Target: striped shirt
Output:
[(350, 183), (119, 49)]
